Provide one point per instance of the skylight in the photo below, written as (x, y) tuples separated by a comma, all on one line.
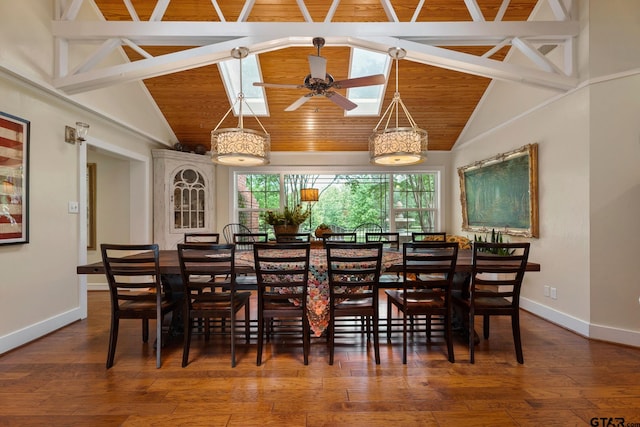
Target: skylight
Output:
[(369, 98), (253, 95)]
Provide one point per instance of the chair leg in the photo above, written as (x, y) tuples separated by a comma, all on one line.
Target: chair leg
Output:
[(113, 340), (232, 326), (389, 322), (404, 337), (471, 338), (331, 337), (515, 325), (145, 330), (247, 320), (376, 337), (188, 325), (448, 336), (306, 338), (159, 320), (260, 338), (485, 327)]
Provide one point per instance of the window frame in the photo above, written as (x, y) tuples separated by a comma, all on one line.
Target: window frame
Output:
[(438, 171)]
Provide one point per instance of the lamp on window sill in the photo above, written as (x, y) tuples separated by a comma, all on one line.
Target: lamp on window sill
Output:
[(77, 134), (398, 145), (239, 146)]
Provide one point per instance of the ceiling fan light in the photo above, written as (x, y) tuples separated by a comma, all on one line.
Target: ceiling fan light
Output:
[(240, 147), (398, 146)]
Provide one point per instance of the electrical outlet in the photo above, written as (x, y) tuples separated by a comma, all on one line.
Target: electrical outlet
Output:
[(546, 291), (74, 208), (554, 293)]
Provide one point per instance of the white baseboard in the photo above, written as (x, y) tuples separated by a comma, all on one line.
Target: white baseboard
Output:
[(620, 336), (38, 330), (598, 332), (97, 287)]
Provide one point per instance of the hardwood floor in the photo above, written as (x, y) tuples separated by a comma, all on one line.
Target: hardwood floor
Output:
[(566, 380)]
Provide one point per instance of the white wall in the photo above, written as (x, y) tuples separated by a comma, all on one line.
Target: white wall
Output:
[(46, 266), (589, 143)]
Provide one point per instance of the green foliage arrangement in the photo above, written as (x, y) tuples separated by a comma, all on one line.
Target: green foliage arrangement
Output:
[(496, 237), (294, 216)]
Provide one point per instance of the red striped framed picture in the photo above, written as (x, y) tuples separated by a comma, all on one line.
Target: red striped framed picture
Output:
[(14, 179)]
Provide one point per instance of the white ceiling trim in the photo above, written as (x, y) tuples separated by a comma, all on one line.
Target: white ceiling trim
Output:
[(423, 41), (182, 33)]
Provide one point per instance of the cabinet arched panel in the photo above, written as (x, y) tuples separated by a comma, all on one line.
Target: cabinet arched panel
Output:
[(183, 196)]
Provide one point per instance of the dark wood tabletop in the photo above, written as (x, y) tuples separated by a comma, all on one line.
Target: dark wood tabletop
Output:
[(169, 264)]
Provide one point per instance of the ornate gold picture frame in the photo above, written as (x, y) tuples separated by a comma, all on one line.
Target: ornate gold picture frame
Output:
[(501, 193)]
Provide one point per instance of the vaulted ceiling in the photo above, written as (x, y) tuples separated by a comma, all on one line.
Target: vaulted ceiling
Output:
[(454, 49)]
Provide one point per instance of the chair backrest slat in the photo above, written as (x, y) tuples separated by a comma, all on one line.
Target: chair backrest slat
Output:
[(390, 239), (428, 237), (282, 270), (202, 238), (352, 265), (131, 268), (429, 266), (498, 270), (293, 237), (245, 241)]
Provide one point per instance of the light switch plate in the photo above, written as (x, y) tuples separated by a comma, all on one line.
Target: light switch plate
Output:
[(74, 207)]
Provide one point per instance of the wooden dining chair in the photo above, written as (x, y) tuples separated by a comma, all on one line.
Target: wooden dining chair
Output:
[(198, 263), (282, 273), (388, 239), (293, 238), (245, 241), (202, 238), (347, 237), (367, 227), (234, 228), (428, 237), (136, 291), (496, 278), (353, 270), (428, 269)]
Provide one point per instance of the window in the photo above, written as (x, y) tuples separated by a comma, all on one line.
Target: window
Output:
[(254, 96), (398, 202), (188, 200), (369, 98)]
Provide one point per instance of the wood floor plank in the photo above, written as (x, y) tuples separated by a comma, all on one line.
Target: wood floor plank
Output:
[(566, 379)]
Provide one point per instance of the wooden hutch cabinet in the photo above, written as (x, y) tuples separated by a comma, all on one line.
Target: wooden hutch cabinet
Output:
[(183, 196)]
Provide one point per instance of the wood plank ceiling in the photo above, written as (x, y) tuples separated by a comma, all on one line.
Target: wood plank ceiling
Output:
[(194, 100)]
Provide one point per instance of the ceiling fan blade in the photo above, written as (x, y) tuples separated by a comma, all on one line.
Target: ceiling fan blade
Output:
[(299, 102), (318, 66), (279, 85), (340, 100), (376, 79)]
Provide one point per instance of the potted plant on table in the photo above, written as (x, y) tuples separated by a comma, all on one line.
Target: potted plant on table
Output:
[(288, 220)]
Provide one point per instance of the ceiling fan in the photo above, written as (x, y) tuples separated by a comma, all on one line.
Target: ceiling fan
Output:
[(320, 83)]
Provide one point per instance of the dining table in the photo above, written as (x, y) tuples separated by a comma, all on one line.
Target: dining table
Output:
[(318, 287)]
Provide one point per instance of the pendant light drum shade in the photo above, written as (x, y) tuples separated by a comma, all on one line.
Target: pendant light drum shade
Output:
[(239, 146), (398, 145)]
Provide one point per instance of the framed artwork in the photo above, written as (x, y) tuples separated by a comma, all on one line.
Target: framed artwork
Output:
[(14, 179), (91, 206), (501, 193)]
